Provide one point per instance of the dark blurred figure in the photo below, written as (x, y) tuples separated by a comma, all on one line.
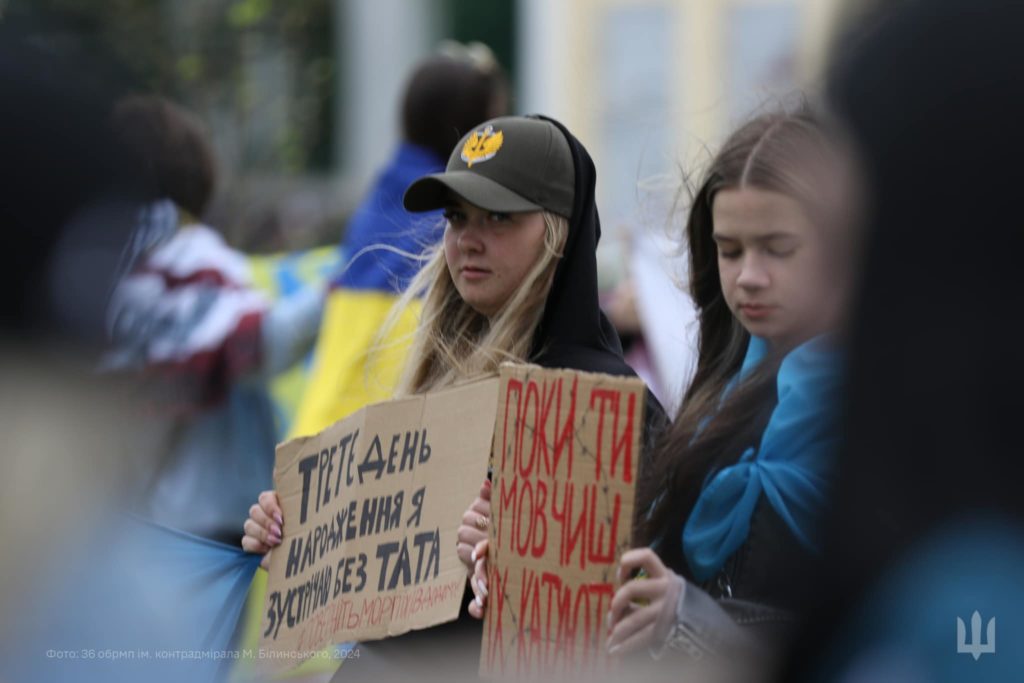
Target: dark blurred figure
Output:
[(67, 206), (67, 196), (928, 521), (68, 200), (88, 594)]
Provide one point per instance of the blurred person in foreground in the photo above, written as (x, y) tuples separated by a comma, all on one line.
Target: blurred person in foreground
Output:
[(80, 581), (927, 527), (67, 203)]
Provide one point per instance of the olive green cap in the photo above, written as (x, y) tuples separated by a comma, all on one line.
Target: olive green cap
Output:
[(508, 164)]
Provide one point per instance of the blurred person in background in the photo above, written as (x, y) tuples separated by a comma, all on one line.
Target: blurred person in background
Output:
[(188, 323), (447, 94), (662, 348), (621, 306), (927, 527)]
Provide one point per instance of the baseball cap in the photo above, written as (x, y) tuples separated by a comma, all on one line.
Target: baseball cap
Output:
[(508, 164)]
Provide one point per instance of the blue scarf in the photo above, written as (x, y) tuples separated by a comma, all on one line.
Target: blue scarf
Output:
[(790, 466)]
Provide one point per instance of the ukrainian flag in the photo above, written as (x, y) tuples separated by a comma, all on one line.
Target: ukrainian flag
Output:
[(351, 367), (279, 276)]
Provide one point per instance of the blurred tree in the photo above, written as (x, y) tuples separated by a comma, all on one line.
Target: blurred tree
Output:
[(492, 23), (258, 71)]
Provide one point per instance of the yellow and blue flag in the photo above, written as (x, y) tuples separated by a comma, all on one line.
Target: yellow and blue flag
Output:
[(382, 249), (279, 276)]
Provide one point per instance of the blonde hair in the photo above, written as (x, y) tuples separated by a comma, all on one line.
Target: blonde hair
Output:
[(453, 342)]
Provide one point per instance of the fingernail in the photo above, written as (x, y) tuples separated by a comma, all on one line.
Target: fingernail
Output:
[(274, 540), (277, 516), (479, 602), (483, 586), (276, 530), (613, 649), (473, 555)]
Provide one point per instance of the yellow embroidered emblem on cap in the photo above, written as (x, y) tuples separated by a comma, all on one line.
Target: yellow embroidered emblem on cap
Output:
[(482, 145)]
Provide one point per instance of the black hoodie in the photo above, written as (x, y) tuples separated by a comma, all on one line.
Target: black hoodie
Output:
[(574, 332)]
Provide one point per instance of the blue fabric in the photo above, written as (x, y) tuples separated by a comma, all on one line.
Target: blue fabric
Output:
[(165, 601), (382, 220), (905, 627), (789, 467), (222, 458)]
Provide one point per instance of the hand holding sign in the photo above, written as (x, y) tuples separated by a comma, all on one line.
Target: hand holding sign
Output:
[(478, 581), (264, 528), (474, 524)]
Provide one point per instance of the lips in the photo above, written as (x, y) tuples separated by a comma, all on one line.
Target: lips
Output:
[(755, 311), (474, 272)]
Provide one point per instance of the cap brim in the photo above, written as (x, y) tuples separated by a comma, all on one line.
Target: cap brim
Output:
[(434, 192)]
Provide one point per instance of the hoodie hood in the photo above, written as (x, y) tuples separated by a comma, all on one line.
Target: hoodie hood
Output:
[(573, 332)]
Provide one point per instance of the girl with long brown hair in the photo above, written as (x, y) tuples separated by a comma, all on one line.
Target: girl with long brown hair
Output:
[(739, 478)]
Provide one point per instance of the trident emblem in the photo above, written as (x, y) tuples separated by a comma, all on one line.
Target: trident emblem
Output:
[(975, 648)]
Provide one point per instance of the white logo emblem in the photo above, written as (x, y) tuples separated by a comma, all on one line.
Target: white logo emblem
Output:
[(976, 647)]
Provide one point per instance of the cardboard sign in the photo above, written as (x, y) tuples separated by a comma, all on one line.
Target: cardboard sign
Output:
[(372, 507), (566, 450)]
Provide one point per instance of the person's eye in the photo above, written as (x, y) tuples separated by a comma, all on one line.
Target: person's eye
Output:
[(781, 250), (728, 254), (454, 216), (499, 217)]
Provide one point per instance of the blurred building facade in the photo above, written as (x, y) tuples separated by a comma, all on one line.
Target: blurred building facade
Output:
[(301, 95), (650, 85)]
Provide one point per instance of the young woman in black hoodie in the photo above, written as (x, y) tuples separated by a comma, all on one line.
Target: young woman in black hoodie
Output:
[(515, 278)]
